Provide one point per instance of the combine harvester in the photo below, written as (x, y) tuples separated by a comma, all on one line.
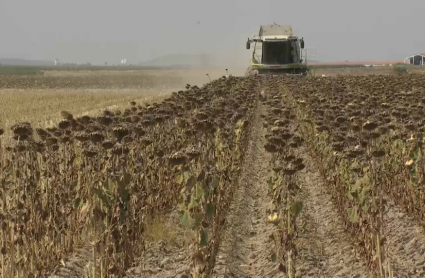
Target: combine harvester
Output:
[(276, 51)]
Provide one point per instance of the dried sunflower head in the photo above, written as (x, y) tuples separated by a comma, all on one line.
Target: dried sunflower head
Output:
[(120, 150), (82, 137), (22, 129), (108, 144), (64, 124), (67, 115), (369, 125), (96, 137), (270, 147), (120, 132), (177, 158)]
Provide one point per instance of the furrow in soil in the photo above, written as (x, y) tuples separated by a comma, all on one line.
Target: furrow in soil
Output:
[(168, 251), (405, 243), (245, 250), (324, 249), (76, 265)]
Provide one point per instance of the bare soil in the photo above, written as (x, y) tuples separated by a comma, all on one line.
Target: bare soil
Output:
[(405, 243), (165, 257), (77, 265)]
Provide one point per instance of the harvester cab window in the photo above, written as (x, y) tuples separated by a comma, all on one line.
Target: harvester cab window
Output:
[(257, 53), (275, 53)]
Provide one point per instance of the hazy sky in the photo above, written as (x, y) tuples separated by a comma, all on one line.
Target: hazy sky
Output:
[(107, 30)]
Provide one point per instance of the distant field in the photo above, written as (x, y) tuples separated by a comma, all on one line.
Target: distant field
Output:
[(42, 107), (116, 81), (15, 70), (395, 69), (39, 99)]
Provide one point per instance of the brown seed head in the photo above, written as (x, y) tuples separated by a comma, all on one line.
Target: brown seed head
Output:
[(370, 125), (96, 137), (22, 129), (104, 120), (378, 153), (272, 148), (120, 132), (108, 145), (64, 124), (289, 171), (177, 158), (82, 137), (67, 115), (192, 152)]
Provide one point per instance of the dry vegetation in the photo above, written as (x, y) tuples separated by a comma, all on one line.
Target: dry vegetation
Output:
[(81, 181), (367, 134), (41, 107), (39, 99), (114, 81), (318, 177)]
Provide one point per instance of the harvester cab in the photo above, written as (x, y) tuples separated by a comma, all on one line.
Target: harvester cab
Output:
[(276, 50)]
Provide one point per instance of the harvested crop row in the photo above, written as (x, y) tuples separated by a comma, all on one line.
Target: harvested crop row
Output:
[(97, 179), (366, 133)]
